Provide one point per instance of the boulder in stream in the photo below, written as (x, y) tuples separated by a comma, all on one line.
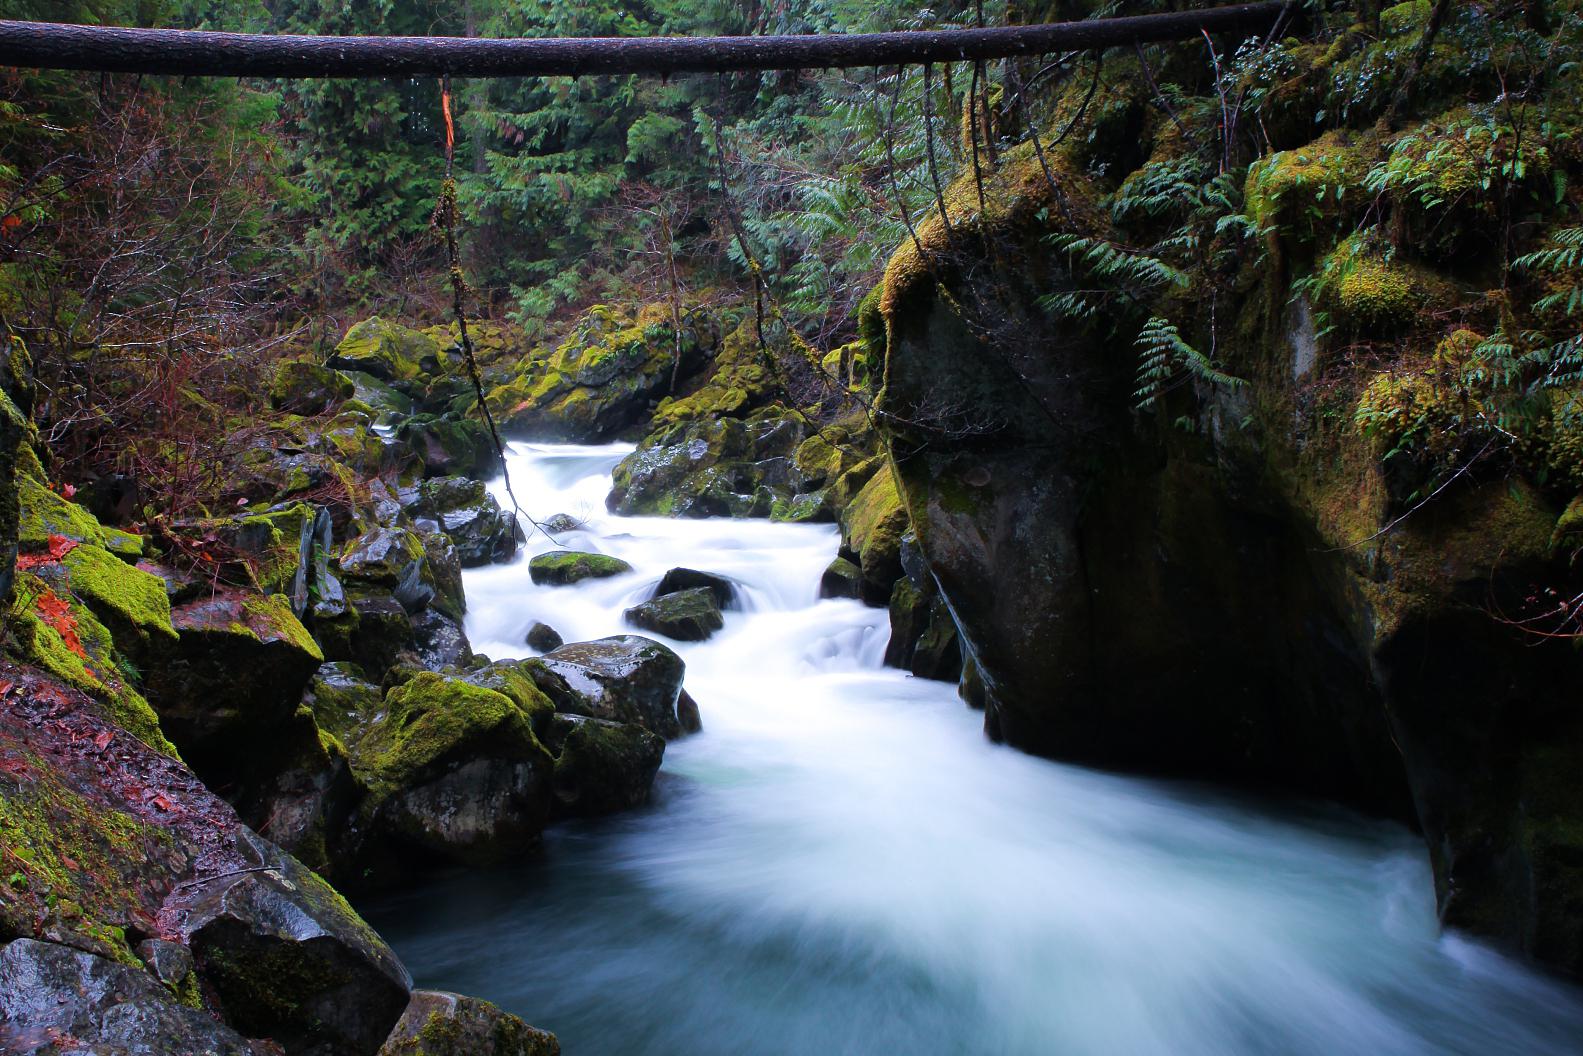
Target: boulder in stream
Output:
[(543, 637), (626, 678), (602, 767), (437, 1023), (687, 615), (562, 567), (722, 587)]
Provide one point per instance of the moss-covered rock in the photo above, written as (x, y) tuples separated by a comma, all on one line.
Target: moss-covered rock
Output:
[(690, 615), (450, 445), (307, 388), (841, 579), (387, 351), (722, 468), (454, 769), (236, 675), (441, 1024), (563, 567), (872, 528), (603, 378)]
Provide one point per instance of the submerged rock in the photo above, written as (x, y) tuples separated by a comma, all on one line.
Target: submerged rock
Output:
[(687, 615), (443, 1024), (626, 678), (563, 567)]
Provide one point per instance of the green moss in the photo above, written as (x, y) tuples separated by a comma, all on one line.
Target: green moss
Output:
[(1298, 193), (121, 595), (1366, 288), (876, 517), (272, 613), (42, 513), (431, 716), (572, 566), (385, 350), (93, 665), (73, 868)]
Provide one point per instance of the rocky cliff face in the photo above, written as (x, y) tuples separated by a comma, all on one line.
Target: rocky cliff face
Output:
[(1299, 564)]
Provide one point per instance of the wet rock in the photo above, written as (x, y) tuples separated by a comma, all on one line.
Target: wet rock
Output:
[(454, 769), (371, 633), (440, 641), (342, 699), (687, 615), (909, 617), (58, 1000), (307, 388), (562, 523), (938, 653), (562, 567), (601, 767), (443, 1024), (172, 964), (543, 637), (841, 579), (687, 713), (289, 959), (723, 588), (626, 678), (463, 509)]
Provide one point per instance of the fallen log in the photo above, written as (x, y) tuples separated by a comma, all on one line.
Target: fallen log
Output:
[(50, 45)]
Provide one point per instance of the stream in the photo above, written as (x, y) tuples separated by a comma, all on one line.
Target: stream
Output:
[(841, 863)]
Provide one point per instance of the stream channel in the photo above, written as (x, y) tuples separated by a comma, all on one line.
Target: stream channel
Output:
[(841, 863)]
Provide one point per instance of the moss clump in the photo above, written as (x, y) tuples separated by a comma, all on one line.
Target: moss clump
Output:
[(42, 513), (1365, 287), (269, 618), (131, 602), (1298, 193), (510, 680), (562, 567), (60, 635)]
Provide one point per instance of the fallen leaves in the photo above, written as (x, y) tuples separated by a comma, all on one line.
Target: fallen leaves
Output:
[(59, 547), (55, 611)]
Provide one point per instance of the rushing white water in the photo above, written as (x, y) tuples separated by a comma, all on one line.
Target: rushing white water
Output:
[(841, 864)]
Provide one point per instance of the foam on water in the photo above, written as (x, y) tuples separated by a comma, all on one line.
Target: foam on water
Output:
[(841, 863)]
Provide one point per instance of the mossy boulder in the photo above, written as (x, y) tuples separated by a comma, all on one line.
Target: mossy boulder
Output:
[(690, 615), (872, 528), (454, 770), (300, 387), (54, 630), (443, 1024), (387, 351), (450, 445), (603, 377), (104, 838), (841, 579), (563, 567), (236, 674), (713, 468), (43, 515), (543, 637), (626, 678)]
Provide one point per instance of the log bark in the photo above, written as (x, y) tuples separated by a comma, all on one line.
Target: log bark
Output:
[(48, 45)]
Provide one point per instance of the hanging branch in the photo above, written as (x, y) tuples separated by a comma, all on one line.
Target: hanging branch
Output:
[(928, 139), (188, 53), (445, 213)]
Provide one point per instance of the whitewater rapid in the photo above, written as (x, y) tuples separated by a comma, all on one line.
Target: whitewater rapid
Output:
[(840, 863)]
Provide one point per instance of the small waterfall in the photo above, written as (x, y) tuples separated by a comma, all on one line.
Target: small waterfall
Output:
[(841, 864)]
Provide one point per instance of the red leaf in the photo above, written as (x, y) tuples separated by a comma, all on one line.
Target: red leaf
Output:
[(102, 741), (161, 802), (68, 490)]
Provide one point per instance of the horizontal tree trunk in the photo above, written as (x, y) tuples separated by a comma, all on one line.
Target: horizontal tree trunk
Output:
[(51, 45)]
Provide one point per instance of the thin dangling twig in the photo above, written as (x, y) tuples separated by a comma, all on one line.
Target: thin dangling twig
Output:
[(445, 213), (928, 140)]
